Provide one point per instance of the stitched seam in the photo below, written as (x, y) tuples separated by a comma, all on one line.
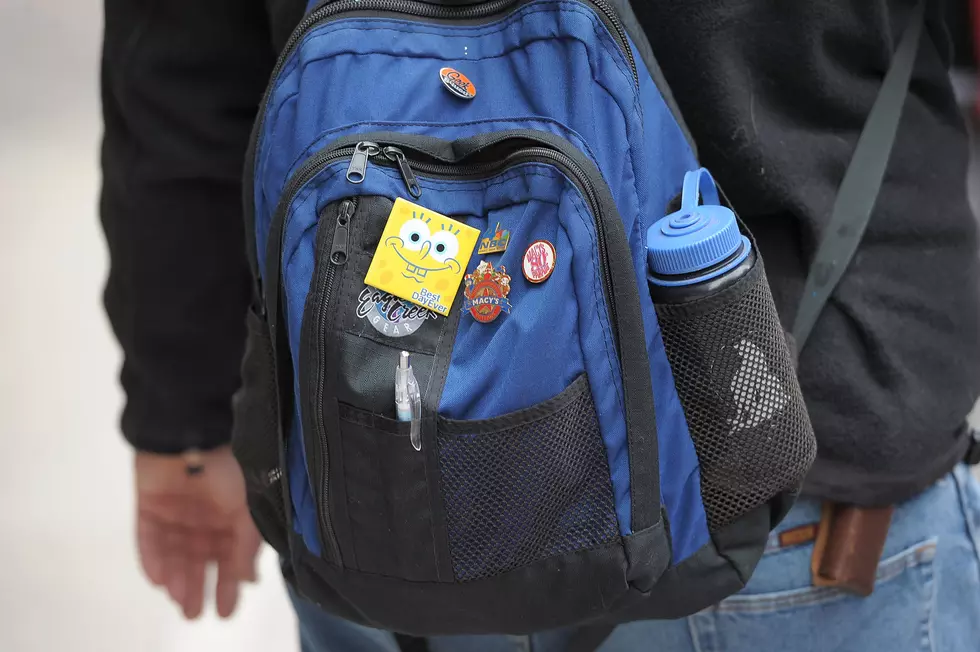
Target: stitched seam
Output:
[(495, 27), (504, 54), (597, 286), (923, 553), (615, 544), (546, 409), (571, 135), (929, 592), (602, 36), (394, 26), (693, 631)]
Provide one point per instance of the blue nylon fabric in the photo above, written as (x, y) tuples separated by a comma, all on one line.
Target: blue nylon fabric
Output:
[(522, 66), (667, 152)]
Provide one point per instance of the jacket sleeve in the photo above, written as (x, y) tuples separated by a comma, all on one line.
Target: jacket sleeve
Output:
[(181, 84)]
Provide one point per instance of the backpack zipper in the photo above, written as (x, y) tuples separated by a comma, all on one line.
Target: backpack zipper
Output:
[(329, 9), (391, 156), (321, 461)]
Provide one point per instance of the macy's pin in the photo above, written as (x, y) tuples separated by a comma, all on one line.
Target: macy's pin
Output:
[(539, 261), (485, 292)]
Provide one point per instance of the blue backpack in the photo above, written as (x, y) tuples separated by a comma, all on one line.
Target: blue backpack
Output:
[(577, 453)]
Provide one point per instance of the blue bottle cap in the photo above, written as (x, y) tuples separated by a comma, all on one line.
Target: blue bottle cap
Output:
[(697, 238)]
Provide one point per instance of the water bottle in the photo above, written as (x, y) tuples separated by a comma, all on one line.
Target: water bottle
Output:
[(698, 250), (728, 354)]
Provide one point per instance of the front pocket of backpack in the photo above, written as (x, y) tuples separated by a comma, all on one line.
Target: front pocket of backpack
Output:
[(387, 497), (525, 486)]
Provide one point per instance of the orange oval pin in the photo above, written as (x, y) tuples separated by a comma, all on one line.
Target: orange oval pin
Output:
[(457, 83)]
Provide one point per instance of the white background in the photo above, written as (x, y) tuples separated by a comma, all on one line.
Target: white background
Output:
[(69, 580)]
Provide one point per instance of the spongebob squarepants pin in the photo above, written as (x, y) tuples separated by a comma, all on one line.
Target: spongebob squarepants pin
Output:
[(421, 256)]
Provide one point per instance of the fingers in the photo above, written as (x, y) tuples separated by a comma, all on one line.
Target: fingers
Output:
[(193, 602), (176, 561), (226, 594), (236, 563), (176, 558), (149, 542)]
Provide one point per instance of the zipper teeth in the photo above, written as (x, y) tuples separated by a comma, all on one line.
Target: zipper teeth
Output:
[(617, 25), (397, 6), (314, 165), (420, 9), (327, 525), (425, 10), (331, 274), (584, 183)]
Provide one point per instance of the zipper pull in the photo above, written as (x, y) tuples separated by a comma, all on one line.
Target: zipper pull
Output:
[(338, 254), (395, 155), (359, 161)]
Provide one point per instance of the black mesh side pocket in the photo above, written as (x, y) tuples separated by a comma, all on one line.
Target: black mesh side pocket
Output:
[(734, 374), (255, 435), (526, 486)]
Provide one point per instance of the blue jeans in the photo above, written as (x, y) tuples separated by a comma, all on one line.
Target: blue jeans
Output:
[(927, 597)]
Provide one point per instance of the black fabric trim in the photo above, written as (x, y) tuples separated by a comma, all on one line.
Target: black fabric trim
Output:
[(649, 554), (544, 595), (512, 420), (842, 482), (255, 440), (588, 638), (556, 592), (719, 569)]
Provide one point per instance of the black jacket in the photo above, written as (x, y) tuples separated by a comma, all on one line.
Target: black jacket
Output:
[(775, 93)]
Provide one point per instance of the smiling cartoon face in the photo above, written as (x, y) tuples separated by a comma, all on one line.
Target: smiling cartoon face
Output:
[(421, 256), (426, 245)]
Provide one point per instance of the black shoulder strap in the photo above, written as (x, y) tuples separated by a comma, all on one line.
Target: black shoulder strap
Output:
[(861, 184)]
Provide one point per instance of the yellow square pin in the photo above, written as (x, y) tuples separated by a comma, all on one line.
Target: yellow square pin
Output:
[(422, 256)]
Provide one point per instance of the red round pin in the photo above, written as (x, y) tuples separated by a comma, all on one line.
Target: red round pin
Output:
[(539, 261), (457, 83)]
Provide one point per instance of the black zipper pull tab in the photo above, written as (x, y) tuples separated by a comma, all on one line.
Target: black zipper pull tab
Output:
[(397, 156), (338, 254), (359, 161)]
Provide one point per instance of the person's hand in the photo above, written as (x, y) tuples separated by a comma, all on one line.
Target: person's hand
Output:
[(186, 522)]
